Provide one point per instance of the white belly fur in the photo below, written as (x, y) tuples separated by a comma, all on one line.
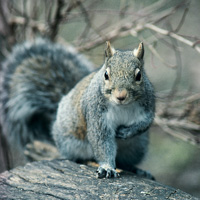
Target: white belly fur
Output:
[(124, 115)]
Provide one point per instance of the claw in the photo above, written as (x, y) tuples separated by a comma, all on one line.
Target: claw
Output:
[(109, 173), (103, 172)]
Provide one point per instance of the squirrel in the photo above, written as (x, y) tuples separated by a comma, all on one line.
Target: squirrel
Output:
[(33, 79), (107, 115), (52, 93)]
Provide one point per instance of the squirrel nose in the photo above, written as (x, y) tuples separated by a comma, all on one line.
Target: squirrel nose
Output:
[(121, 98), (121, 95)]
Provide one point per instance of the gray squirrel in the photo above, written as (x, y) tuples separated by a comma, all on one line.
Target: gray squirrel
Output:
[(105, 117)]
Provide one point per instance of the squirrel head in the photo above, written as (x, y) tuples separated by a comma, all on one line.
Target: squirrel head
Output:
[(124, 75)]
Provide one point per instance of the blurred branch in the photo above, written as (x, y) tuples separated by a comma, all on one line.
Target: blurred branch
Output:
[(54, 26), (4, 13), (89, 25), (182, 18), (155, 53), (177, 80), (178, 129), (173, 35), (181, 118), (33, 24), (128, 29)]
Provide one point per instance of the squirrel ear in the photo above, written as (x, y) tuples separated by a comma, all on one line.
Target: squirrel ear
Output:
[(109, 52), (139, 52)]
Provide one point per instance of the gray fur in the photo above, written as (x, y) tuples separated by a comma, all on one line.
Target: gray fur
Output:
[(116, 132), (32, 81)]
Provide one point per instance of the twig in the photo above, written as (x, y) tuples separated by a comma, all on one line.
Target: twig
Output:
[(34, 24), (173, 35), (155, 53), (89, 25), (181, 135), (54, 26), (48, 10), (178, 70), (183, 124), (182, 18)]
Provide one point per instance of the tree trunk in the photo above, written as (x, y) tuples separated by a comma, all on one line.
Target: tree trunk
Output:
[(62, 179)]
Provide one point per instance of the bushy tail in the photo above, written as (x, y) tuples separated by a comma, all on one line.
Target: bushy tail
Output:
[(32, 81)]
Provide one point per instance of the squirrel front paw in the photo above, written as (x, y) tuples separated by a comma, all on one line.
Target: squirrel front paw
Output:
[(122, 132), (106, 171)]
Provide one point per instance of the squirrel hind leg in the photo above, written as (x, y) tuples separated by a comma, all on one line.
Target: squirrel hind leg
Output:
[(76, 150), (132, 168), (143, 173), (139, 172), (70, 147)]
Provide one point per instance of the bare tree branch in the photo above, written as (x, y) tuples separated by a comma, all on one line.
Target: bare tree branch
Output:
[(54, 26), (170, 128), (173, 35)]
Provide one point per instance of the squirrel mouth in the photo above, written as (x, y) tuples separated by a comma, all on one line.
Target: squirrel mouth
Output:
[(119, 102)]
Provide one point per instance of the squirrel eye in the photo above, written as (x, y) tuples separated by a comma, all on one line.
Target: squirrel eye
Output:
[(138, 75), (106, 76)]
